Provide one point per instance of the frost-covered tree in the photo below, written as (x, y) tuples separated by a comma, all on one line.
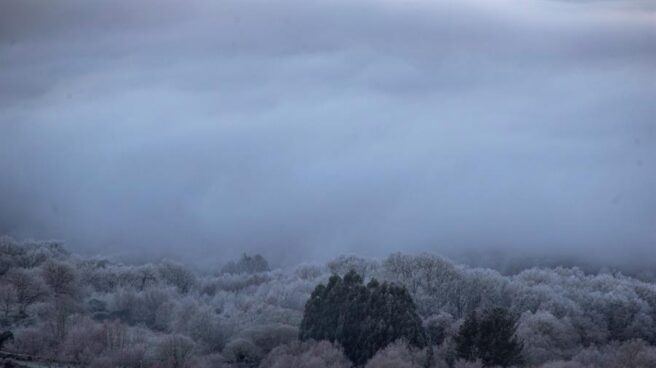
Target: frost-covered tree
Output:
[(84, 341), (27, 286), (545, 337), (57, 317), (247, 264), (628, 354), (177, 275), (468, 364), (242, 351), (321, 354), (400, 355), (8, 301), (175, 352), (31, 341), (268, 336), (342, 265), (102, 313), (208, 331), (60, 277)]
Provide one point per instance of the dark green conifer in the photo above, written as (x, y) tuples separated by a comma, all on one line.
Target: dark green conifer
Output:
[(490, 338), (467, 338), (363, 319)]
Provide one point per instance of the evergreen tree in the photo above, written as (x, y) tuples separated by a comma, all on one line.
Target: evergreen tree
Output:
[(363, 319), (490, 338), (497, 342), (467, 338)]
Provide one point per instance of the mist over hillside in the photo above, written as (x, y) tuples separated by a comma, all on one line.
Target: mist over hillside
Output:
[(328, 183), (305, 130)]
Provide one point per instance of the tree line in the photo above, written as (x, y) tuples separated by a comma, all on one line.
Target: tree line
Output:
[(402, 311)]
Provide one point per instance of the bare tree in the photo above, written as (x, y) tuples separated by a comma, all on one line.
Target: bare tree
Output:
[(29, 289), (175, 351), (8, 300), (60, 277), (178, 276)]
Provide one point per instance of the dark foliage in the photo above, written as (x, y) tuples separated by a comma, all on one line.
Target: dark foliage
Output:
[(363, 319), (6, 336), (489, 338), (467, 338)]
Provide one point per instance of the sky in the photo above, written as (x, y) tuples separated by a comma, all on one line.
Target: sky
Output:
[(305, 129)]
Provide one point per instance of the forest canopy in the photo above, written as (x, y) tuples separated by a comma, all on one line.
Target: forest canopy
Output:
[(401, 311)]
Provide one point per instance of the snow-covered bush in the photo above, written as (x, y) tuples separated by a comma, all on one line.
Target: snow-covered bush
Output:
[(306, 354), (242, 351)]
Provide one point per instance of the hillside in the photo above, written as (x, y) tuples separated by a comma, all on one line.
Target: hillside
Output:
[(100, 313)]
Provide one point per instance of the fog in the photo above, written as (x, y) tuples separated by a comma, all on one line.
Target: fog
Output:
[(305, 129)]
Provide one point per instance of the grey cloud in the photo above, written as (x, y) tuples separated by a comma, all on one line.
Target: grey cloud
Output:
[(305, 129)]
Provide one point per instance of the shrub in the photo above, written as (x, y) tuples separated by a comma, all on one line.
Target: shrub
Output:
[(398, 355), (242, 351), (305, 354)]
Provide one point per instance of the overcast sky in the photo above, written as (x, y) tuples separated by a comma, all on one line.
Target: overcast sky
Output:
[(304, 129)]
